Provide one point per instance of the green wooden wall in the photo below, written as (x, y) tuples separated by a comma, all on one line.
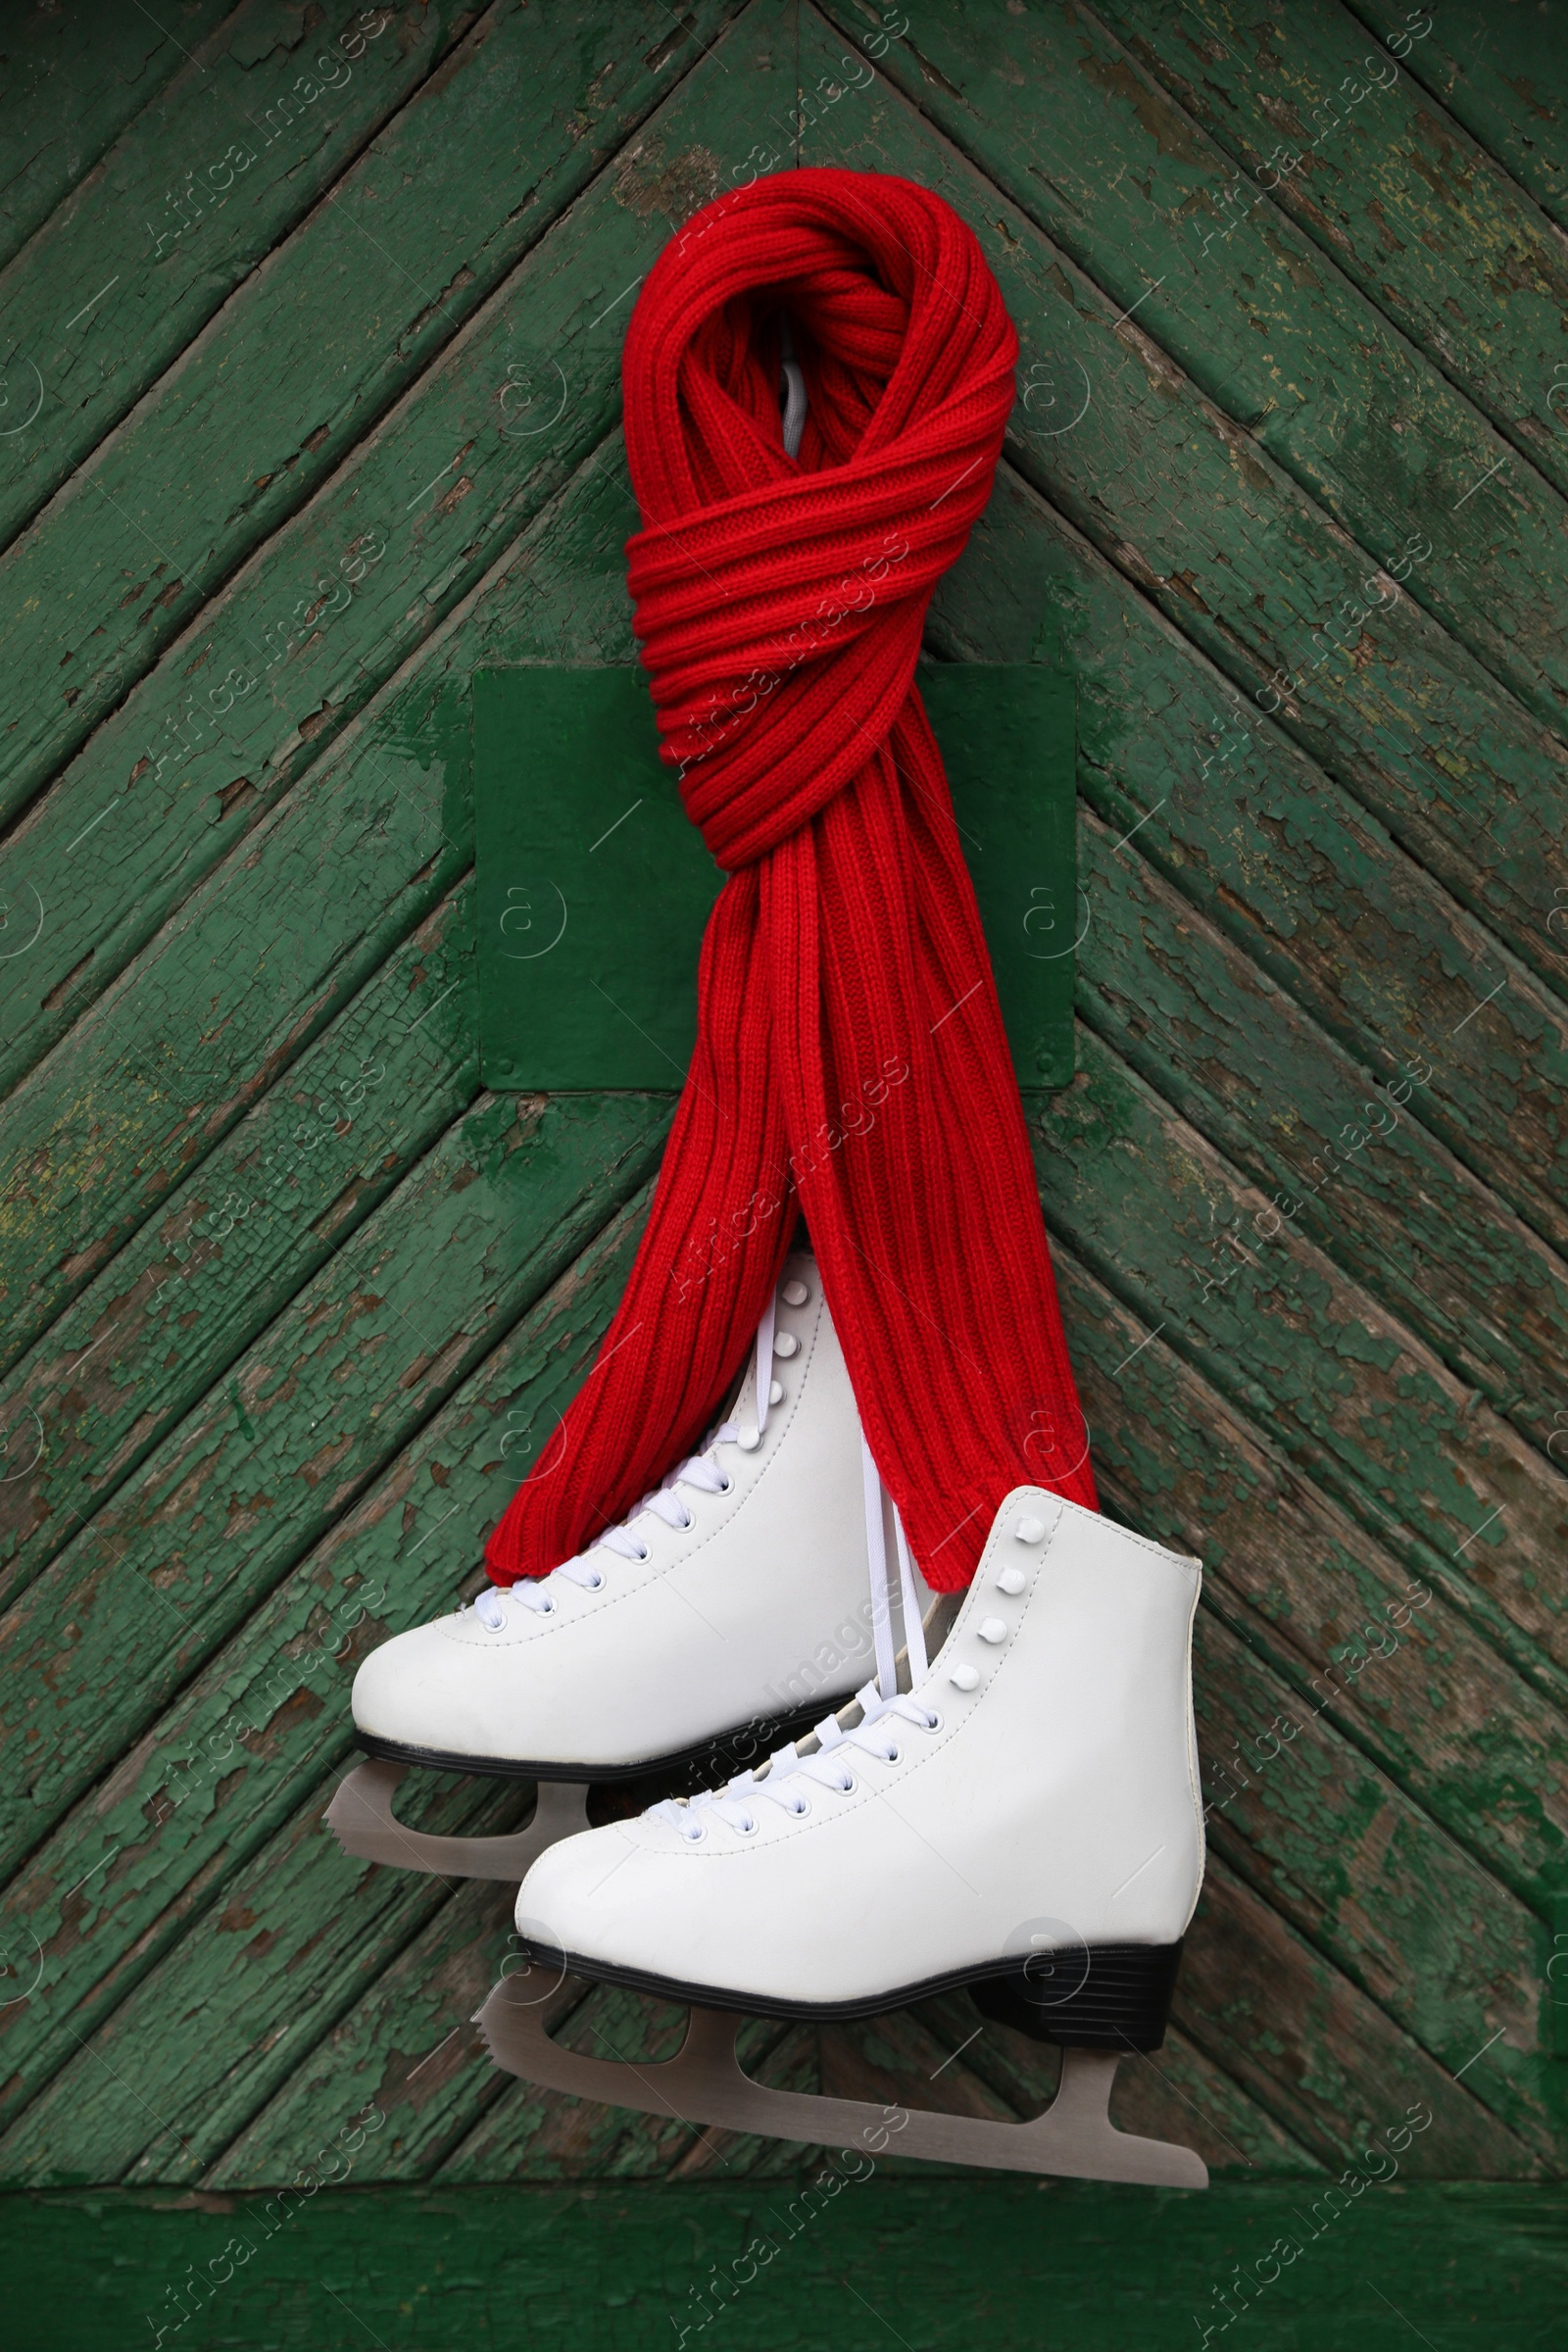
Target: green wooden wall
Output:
[(310, 322)]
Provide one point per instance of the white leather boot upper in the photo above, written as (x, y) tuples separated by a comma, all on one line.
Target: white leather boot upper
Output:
[(1036, 1791), (755, 1609)]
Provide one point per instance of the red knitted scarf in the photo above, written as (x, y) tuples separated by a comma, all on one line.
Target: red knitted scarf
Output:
[(850, 1054)]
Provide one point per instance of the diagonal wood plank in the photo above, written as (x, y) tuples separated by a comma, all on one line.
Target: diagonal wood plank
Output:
[(1413, 1226), (67, 99), (256, 690), (323, 338), (1423, 1929), (1389, 1660), (1317, 2053), (1424, 220), (195, 2047), (344, 871), (1337, 1383), (1265, 324), (1350, 934), (1188, 505), (252, 131), (1493, 70), (246, 1743), (258, 1218), (251, 1479)]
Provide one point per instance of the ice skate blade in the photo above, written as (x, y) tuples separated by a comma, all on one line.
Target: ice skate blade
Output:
[(361, 1819), (704, 2084)]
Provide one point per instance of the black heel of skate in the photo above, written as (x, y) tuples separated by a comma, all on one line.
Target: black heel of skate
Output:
[(1108, 1996)]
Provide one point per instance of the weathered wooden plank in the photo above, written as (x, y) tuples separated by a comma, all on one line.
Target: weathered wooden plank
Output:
[(1261, 319), (97, 1137), (1391, 1207), (1340, 1384), (939, 2261), (1367, 1879), (1386, 1657), (1318, 2053), (340, 871), (1500, 72), (260, 1215), (318, 344), (252, 1478), (1386, 182), (188, 201), (1188, 505), (245, 1745), (250, 696), (66, 98), (407, 2051), (191, 2053), (1312, 897)]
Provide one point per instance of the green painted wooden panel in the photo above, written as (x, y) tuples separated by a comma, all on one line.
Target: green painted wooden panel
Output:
[(291, 1301), (845, 2260), (1500, 71), (593, 889)]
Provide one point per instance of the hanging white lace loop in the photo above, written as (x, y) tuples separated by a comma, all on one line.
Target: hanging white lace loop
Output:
[(877, 1562), (913, 1629), (763, 1369)]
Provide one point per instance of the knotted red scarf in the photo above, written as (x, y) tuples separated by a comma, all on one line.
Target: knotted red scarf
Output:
[(850, 1054)]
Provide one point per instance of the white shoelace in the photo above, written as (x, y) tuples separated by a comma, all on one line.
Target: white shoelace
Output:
[(702, 1472), (781, 1778), (704, 1475)]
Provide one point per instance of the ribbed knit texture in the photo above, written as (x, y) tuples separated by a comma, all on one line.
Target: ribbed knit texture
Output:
[(850, 1056)]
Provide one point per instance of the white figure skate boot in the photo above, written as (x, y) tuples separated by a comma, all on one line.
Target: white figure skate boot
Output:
[(733, 1600), (1024, 1819)]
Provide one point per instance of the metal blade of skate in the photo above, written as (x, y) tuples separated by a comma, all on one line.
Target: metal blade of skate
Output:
[(361, 1819), (704, 2083)]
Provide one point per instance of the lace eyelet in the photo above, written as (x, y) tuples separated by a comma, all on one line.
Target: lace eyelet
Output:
[(728, 1483), (892, 1755), (640, 1556), (684, 1526), (933, 1723), (748, 1827), (849, 1785), (548, 1609), (696, 1834), (804, 1807), (598, 1584)]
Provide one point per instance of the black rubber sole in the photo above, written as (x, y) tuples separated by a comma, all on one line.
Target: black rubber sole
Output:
[(709, 1765), (1105, 1996)]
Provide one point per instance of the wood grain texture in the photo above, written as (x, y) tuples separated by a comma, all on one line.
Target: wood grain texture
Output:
[(258, 124), (1320, 910), (620, 2267), (1502, 73), (323, 338), (244, 1746), (1386, 182), (247, 701), (1410, 697), (69, 96), (1145, 199)]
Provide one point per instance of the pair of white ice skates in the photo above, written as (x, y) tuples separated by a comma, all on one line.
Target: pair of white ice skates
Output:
[(1021, 1816)]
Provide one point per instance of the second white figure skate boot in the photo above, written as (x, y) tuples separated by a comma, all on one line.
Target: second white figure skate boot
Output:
[(1023, 1820), (733, 1599)]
